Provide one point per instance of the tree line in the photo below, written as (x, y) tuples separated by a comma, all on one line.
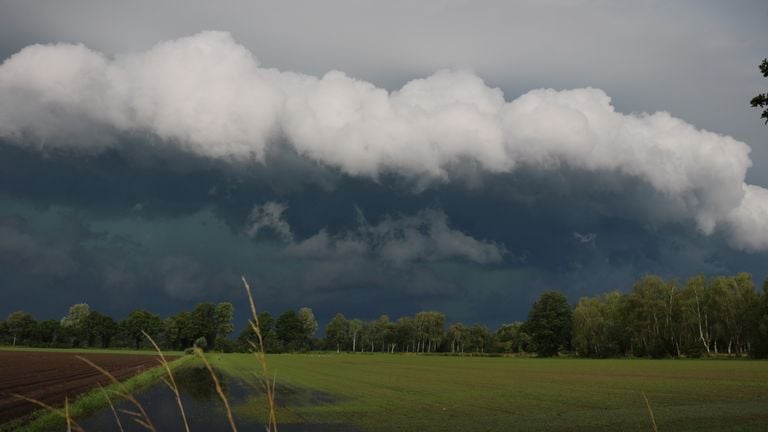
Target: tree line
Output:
[(656, 318), (207, 325)]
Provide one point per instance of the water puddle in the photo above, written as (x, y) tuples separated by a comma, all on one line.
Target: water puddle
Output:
[(203, 407)]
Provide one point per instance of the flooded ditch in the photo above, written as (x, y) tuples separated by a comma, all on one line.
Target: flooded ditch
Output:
[(203, 407)]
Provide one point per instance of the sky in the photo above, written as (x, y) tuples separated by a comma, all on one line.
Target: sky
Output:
[(375, 157)]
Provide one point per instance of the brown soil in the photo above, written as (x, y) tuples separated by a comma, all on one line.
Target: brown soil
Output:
[(51, 376)]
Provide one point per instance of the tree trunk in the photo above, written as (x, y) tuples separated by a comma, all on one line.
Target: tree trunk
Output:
[(701, 330)]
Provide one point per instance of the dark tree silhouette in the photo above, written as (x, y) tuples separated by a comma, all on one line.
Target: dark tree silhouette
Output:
[(550, 323), (761, 100)]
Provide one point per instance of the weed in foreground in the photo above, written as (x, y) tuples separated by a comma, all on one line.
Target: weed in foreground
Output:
[(650, 412), (261, 356), (59, 412), (170, 382)]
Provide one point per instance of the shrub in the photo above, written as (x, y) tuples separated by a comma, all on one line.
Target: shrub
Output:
[(201, 343)]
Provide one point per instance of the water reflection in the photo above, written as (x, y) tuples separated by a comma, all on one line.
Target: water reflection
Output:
[(204, 409)]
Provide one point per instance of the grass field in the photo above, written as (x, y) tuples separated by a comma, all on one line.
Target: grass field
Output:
[(402, 392)]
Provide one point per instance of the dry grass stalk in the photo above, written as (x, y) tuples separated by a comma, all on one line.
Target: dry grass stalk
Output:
[(171, 382), (650, 411), (261, 356), (143, 418), (66, 414), (219, 389), (112, 407), (71, 423)]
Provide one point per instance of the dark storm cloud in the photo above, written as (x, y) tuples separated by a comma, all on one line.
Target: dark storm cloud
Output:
[(194, 247), (133, 176)]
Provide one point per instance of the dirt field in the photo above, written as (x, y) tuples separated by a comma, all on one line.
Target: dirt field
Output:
[(50, 377)]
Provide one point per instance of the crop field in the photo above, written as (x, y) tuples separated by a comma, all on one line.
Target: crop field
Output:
[(402, 392), (51, 376), (380, 392)]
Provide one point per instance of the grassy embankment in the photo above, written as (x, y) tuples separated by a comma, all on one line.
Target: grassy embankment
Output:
[(433, 393), (94, 400)]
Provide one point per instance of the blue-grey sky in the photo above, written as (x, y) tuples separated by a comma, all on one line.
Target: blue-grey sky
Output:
[(375, 157)]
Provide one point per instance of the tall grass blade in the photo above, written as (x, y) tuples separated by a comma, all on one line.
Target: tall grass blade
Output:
[(172, 384), (61, 413), (650, 411), (219, 390), (112, 407), (66, 414), (261, 356)]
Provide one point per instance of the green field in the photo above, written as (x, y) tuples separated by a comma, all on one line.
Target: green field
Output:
[(407, 392)]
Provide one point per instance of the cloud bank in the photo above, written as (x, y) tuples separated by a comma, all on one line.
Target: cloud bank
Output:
[(208, 96)]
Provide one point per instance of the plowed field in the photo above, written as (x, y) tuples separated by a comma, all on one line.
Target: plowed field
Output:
[(50, 377)]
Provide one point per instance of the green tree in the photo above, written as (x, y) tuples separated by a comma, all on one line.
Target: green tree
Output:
[(46, 332), (367, 336), (430, 330), (459, 336), (247, 337), (308, 321), (224, 327), (138, 321), (759, 333), (103, 327), (290, 331), (510, 338), (761, 100), (696, 316), (382, 333), (479, 338), (268, 332), (405, 333), (655, 310), (20, 325), (204, 323), (337, 332), (74, 323), (589, 327), (4, 333), (550, 324), (178, 332), (355, 326)]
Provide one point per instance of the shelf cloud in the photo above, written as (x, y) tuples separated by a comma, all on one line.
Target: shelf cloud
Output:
[(208, 96)]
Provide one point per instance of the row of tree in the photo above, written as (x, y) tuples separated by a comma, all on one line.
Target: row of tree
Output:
[(207, 325), (657, 318), (292, 331), (661, 318)]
